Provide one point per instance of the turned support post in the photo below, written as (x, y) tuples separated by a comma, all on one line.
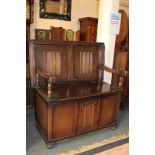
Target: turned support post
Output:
[(50, 80), (121, 78), (120, 82), (37, 79)]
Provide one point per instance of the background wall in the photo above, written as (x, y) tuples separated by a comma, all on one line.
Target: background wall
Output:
[(80, 9), (104, 34)]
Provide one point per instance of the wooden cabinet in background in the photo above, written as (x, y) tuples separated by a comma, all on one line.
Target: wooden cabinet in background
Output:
[(53, 34), (108, 107), (121, 56), (58, 33), (121, 62), (88, 29)]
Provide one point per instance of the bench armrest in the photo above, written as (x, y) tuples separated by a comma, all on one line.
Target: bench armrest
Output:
[(114, 71), (119, 73)]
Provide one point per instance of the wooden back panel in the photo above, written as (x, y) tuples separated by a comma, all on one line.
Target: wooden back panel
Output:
[(86, 59), (52, 61), (65, 60)]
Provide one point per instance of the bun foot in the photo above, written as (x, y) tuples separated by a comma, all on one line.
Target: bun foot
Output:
[(49, 146), (114, 127)]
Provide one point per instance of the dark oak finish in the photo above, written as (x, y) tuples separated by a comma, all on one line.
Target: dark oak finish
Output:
[(77, 33), (122, 40), (108, 110), (120, 60), (71, 96), (65, 60), (42, 114), (88, 108), (58, 33), (88, 29), (88, 115), (64, 114), (121, 57)]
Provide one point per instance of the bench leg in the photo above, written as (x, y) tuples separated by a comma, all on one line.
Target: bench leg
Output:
[(49, 146), (114, 127)]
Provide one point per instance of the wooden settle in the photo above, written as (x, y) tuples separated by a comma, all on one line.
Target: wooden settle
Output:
[(71, 95)]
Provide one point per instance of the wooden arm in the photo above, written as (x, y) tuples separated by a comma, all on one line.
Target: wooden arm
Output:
[(50, 80), (119, 73), (108, 69)]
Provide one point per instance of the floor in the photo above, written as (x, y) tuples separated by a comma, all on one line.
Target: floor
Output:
[(36, 146), (120, 150)]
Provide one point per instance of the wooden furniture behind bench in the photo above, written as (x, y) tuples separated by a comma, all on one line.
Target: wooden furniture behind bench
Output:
[(56, 34), (71, 95), (121, 55), (88, 29)]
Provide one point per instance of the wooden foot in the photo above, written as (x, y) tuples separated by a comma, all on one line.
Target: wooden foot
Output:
[(114, 127), (49, 146)]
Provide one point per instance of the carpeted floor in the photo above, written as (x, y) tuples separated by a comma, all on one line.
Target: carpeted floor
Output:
[(36, 146)]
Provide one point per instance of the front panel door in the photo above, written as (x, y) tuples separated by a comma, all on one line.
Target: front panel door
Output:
[(108, 110), (63, 119), (88, 115)]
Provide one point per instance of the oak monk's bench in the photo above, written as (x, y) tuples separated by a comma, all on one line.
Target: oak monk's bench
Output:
[(71, 95)]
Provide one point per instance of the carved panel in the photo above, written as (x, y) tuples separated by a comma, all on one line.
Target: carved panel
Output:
[(41, 111), (86, 61), (88, 115), (53, 65), (66, 60), (52, 61), (65, 115), (108, 110)]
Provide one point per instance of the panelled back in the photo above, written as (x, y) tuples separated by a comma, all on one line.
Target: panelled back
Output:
[(85, 62), (65, 60), (52, 60)]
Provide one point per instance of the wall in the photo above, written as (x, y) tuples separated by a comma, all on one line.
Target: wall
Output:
[(80, 8), (124, 5), (103, 32)]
